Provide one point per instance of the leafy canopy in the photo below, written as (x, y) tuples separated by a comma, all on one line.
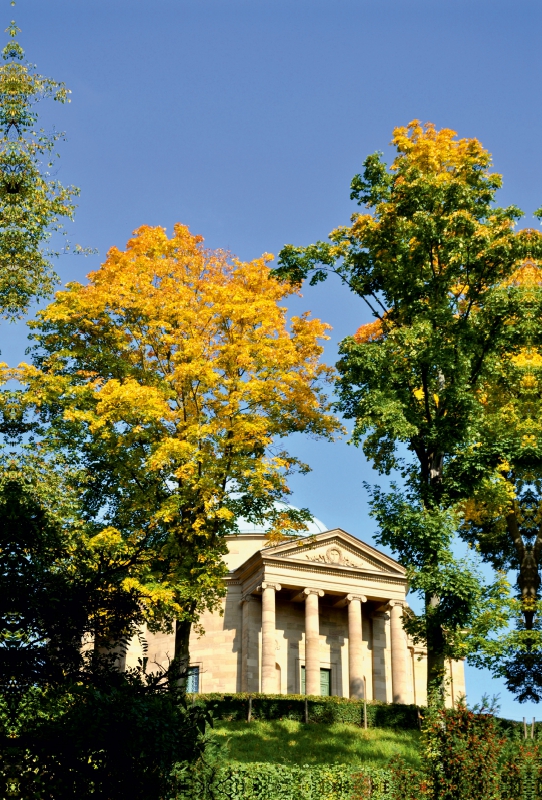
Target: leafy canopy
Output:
[(170, 377), (502, 517), (32, 205), (429, 257)]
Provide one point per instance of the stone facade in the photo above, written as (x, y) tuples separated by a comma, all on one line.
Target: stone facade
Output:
[(327, 605)]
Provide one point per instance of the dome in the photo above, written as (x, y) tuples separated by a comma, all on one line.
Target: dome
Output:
[(244, 526)]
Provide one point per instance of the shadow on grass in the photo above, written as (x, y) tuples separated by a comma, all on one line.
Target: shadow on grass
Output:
[(289, 742)]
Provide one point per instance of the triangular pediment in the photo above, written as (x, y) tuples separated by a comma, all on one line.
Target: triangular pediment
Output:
[(336, 548)]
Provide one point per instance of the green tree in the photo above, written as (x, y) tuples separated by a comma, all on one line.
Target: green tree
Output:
[(429, 260), (62, 590), (65, 592), (503, 517), (32, 205)]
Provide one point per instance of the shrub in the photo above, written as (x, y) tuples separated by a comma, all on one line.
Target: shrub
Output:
[(521, 771), (120, 742), (279, 782), (234, 707), (463, 753)]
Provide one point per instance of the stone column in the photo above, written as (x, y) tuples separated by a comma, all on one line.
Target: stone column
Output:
[(413, 668), (380, 690), (399, 677), (269, 682), (246, 672), (355, 645), (312, 641)]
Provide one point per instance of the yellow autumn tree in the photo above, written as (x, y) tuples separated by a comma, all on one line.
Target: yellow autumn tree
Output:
[(170, 377)]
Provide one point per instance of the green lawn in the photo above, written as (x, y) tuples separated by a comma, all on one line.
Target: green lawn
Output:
[(289, 742)]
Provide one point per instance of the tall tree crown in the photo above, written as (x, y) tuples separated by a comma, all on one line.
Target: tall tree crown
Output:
[(173, 374), (32, 205)]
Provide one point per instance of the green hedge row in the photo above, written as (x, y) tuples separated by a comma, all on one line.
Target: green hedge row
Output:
[(513, 729), (518, 779), (279, 782), (235, 707)]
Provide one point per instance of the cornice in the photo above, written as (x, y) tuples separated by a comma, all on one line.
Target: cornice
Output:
[(295, 565)]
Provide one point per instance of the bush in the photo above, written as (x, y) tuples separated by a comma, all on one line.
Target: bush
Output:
[(463, 750), (234, 708), (120, 742), (279, 782), (521, 771)]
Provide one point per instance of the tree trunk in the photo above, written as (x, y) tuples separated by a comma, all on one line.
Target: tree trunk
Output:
[(181, 659), (436, 668), (529, 577), (436, 672)]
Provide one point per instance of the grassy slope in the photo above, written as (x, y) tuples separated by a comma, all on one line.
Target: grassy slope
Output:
[(288, 742)]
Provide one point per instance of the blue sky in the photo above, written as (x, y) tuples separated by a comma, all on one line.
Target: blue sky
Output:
[(246, 120)]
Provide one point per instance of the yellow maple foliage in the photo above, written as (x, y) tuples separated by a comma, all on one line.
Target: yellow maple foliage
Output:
[(370, 332), (176, 366), (437, 151)]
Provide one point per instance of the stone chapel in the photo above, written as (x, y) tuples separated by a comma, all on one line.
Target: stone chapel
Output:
[(320, 615)]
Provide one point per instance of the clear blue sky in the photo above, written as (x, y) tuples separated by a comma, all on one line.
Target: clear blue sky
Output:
[(246, 120)]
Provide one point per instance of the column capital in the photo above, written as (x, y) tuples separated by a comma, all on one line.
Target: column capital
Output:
[(388, 605), (318, 592), (247, 598), (360, 597), (276, 586)]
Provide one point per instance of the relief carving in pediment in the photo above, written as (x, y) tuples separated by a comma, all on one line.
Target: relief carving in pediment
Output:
[(335, 555), (335, 552)]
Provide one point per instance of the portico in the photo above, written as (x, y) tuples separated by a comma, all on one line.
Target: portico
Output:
[(335, 573), (323, 611)]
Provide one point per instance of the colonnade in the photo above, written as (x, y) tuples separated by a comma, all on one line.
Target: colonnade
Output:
[(355, 602)]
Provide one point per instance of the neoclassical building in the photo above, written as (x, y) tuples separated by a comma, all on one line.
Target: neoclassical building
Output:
[(317, 615)]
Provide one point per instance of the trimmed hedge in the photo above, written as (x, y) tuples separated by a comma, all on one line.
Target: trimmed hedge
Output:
[(279, 782), (519, 777), (513, 728), (234, 707)]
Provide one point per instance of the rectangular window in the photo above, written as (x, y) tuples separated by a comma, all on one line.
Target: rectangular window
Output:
[(192, 680), (325, 682)]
